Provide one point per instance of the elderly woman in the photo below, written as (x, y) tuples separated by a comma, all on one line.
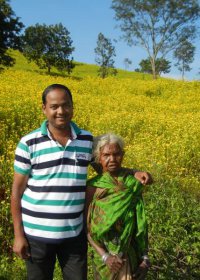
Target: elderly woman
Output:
[(117, 228)]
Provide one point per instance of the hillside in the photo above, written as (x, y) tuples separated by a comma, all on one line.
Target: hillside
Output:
[(80, 71), (159, 121)]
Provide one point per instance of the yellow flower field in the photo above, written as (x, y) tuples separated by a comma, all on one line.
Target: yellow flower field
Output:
[(159, 121)]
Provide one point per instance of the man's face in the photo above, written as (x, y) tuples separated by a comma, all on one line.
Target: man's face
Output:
[(58, 109)]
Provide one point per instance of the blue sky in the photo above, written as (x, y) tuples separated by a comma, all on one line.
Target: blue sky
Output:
[(85, 19)]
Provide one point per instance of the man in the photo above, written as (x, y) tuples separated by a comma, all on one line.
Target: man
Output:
[(48, 192)]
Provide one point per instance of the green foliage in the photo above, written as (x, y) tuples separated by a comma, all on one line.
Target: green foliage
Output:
[(69, 65), (184, 54), (48, 46), (105, 52), (10, 27), (12, 269), (162, 66), (174, 235), (156, 25)]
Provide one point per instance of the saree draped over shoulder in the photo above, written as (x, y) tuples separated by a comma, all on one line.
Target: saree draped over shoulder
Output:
[(116, 221)]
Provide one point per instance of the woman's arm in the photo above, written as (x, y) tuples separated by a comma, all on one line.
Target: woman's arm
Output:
[(142, 270), (113, 262)]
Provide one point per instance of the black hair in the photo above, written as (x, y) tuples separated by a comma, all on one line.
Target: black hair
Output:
[(55, 86)]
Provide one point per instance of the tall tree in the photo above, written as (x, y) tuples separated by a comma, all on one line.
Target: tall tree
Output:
[(184, 54), (105, 52), (162, 66), (156, 25), (127, 63), (48, 46), (10, 27)]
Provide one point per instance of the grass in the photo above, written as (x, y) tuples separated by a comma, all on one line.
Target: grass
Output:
[(80, 71)]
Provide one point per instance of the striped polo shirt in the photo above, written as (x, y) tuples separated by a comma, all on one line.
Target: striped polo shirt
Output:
[(53, 201)]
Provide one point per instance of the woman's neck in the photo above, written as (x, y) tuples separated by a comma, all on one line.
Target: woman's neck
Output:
[(115, 174)]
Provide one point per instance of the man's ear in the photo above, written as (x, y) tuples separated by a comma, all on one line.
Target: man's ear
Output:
[(43, 108)]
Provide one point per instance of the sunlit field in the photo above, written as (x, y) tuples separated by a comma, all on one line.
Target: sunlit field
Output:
[(159, 121)]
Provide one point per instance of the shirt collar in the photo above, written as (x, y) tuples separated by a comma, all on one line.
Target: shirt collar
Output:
[(75, 130)]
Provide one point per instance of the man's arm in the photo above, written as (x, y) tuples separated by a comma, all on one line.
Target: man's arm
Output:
[(20, 246), (144, 177), (90, 191), (96, 166)]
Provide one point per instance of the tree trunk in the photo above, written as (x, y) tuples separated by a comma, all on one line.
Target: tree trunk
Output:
[(183, 72), (153, 65)]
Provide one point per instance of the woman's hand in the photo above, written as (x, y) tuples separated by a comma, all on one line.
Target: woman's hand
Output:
[(114, 263), (141, 271)]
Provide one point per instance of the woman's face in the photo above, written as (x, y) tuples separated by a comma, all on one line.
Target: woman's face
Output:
[(111, 157)]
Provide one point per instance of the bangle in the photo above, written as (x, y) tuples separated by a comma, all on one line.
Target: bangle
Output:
[(146, 261), (145, 257), (104, 257)]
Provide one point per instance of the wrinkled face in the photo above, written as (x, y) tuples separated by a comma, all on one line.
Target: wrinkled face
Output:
[(111, 157), (58, 109)]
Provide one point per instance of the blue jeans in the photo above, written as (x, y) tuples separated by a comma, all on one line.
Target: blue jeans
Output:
[(71, 254)]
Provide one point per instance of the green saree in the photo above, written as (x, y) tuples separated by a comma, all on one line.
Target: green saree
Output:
[(116, 220)]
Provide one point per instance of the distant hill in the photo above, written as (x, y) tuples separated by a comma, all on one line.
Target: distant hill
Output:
[(81, 70)]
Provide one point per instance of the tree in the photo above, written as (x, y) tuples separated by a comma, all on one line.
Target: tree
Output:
[(70, 65), (156, 25), (105, 52), (184, 54), (10, 27), (48, 46), (162, 66), (127, 63)]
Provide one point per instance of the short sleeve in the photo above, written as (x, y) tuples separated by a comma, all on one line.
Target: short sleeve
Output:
[(22, 163)]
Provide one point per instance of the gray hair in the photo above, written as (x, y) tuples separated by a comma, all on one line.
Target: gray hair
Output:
[(104, 139)]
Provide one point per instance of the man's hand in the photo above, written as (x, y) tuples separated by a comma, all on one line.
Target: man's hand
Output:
[(144, 177), (21, 248)]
